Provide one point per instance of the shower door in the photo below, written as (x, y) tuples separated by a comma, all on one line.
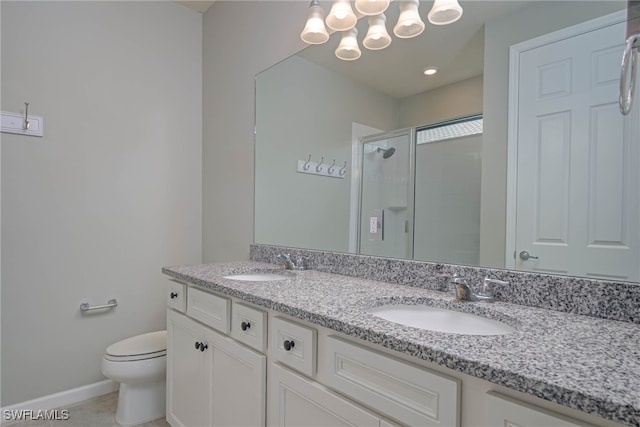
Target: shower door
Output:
[(386, 195)]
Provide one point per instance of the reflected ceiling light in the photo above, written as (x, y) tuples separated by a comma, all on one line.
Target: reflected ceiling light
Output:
[(430, 71), (348, 48), (377, 37), (372, 7), (409, 23), (341, 16), (444, 12), (314, 31)]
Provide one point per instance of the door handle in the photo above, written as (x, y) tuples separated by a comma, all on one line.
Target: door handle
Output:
[(524, 255)]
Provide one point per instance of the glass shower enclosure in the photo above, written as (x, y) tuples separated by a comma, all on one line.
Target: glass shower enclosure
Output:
[(420, 192)]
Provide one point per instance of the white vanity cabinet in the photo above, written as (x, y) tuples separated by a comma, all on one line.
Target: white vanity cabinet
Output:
[(232, 363), (212, 380)]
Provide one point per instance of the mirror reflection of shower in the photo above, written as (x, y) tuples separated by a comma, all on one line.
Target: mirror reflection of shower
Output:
[(388, 152), (426, 213)]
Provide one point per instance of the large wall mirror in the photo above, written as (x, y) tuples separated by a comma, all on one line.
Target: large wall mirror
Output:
[(513, 155)]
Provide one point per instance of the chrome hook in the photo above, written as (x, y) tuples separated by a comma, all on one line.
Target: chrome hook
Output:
[(26, 115), (342, 171), (306, 165), (331, 168), (319, 167)]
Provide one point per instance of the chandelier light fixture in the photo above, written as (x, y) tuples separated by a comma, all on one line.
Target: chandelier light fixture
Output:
[(343, 19)]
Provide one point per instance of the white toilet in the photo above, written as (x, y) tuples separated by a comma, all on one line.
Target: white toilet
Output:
[(139, 364)]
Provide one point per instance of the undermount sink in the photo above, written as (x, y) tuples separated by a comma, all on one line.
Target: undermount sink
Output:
[(441, 320), (260, 276)]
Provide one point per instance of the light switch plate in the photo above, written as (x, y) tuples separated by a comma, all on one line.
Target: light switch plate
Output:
[(376, 224)]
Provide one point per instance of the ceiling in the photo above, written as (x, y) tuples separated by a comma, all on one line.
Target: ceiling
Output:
[(198, 5)]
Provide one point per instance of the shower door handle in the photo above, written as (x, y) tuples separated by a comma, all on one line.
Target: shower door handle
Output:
[(630, 55)]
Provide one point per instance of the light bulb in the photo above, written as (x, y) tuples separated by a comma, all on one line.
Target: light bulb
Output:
[(341, 16), (372, 7), (409, 22), (377, 37), (444, 12), (348, 48), (314, 31)]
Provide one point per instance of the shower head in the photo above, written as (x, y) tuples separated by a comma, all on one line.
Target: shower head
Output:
[(386, 152)]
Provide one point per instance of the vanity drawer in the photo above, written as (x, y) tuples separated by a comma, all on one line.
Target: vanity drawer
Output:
[(249, 326), (408, 393), (210, 309), (176, 296), (294, 345)]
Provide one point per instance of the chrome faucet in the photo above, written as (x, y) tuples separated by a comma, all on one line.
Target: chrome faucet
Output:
[(465, 293), (299, 264)]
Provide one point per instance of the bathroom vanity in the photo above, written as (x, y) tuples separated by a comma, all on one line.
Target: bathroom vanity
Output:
[(247, 349)]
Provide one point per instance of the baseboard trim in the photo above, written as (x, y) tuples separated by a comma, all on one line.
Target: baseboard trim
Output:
[(65, 398)]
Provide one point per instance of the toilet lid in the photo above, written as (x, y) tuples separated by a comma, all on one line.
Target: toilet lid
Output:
[(145, 344)]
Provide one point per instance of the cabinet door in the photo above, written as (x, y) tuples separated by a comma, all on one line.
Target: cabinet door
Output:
[(297, 401), (238, 385), (188, 373), (506, 412)]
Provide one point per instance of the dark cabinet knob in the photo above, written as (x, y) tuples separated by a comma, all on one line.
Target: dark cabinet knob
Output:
[(245, 325), (288, 344), (201, 346), (174, 295)]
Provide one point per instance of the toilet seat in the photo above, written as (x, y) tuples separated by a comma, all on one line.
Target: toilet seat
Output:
[(140, 347)]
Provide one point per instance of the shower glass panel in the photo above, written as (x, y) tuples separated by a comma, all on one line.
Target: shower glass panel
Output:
[(447, 192), (386, 204)]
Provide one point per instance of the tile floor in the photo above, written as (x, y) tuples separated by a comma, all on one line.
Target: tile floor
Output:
[(97, 412)]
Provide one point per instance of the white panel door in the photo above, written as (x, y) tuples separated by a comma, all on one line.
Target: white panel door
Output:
[(188, 373), (577, 181), (238, 386)]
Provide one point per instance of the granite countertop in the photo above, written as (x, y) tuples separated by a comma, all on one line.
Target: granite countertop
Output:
[(577, 361)]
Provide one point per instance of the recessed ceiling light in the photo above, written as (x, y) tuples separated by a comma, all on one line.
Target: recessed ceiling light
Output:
[(430, 71)]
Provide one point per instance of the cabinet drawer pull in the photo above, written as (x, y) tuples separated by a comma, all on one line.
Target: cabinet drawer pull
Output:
[(245, 325), (288, 344), (198, 345), (174, 295)]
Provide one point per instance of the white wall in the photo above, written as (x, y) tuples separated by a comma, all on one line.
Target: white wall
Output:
[(112, 192), (444, 103), (294, 209), (241, 39)]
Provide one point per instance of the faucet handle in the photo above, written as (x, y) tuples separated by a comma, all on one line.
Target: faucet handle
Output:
[(458, 279), (487, 284), (300, 263)]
